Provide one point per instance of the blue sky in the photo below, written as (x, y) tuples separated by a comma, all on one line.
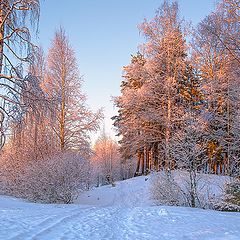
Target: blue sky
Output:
[(104, 34)]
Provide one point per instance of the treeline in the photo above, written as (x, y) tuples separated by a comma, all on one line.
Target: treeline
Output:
[(180, 94)]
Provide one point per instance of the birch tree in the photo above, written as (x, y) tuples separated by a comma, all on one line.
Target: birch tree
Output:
[(189, 149), (72, 120), (17, 19), (165, 51)]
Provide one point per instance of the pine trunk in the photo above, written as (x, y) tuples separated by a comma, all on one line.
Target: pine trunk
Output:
[(138, 164), (142, 161)]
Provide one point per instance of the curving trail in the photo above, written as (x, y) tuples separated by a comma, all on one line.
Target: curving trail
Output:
[(118, 213)]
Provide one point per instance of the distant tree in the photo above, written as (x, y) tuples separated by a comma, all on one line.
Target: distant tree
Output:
[(106, 160)]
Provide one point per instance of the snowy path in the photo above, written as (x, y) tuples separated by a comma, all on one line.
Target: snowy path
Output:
[(122, 212)]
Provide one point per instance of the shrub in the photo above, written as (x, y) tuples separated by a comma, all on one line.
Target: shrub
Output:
[(55, 179), (175, 189), (60, 179), (165, 191), (231, 198), (232, 193)]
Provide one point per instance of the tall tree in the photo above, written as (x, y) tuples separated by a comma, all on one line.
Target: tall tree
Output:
[(166, 53), (150, 106), (72, 119), (130, 107)]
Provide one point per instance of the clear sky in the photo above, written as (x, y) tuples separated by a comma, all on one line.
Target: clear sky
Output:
[(104, 34)]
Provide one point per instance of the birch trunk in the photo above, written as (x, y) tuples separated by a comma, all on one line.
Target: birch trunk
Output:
[(1, 33)]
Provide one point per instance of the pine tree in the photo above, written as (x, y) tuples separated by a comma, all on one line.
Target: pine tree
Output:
[(129, 104), (150, 106)]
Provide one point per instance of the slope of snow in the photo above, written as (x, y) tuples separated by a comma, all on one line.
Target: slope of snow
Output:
[(129, 193), (121, 212)]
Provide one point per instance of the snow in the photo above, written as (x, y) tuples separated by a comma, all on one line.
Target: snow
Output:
[(130, 193), (121, 212)]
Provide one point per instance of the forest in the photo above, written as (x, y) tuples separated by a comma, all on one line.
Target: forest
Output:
[(179, 103), (178, 110)]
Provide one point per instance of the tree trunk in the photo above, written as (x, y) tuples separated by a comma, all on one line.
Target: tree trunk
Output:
[(142, 161), (1, 33), (192, 186), (2, 136), (147, 160), (155, 156), (167, 134), (138, 163), (63, 105)]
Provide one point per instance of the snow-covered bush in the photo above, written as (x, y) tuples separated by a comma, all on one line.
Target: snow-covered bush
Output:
[(12, 172), (230, 201), (233, 192), (59, 179), (174, 188), (165, 190), (54, 179)]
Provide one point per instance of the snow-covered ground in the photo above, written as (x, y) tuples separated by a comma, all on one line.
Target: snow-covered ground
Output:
[(121, 212)]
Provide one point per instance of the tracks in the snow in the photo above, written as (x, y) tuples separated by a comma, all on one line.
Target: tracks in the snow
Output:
[(50, 224)]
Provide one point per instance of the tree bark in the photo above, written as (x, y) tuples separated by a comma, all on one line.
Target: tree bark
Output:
[(138, 163), (63, 104), (167, 136), (142, 162), (1, 33)]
